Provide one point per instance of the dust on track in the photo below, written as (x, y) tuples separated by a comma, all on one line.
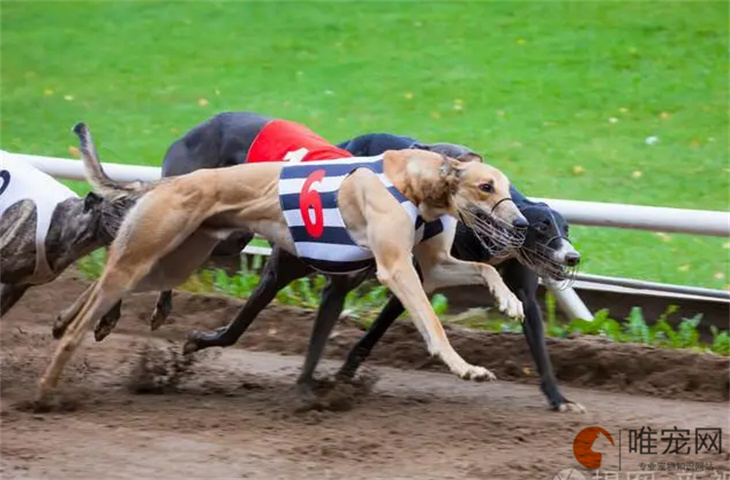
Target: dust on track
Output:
[(133, 407)]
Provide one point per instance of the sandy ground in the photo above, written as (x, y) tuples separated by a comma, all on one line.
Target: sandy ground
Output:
[(233, 413)]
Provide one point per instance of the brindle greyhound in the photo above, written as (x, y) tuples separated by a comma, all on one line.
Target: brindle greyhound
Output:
[(377, 202), (44, 228)]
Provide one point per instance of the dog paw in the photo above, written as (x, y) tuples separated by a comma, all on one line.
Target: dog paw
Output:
[(571, 407), (157, 319), (102, 330), (42, 402), (460, 367), (197, 340), (510, 305), (477, 374), (191, 346), (60, 326), (45, 394), (58, 329)]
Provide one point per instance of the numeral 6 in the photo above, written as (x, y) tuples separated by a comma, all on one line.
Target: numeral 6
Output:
[(309, 199)]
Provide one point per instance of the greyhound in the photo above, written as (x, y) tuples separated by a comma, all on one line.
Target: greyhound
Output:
[(227, 139), (236, 138), (546, 252), (45, 227), (331, 213)]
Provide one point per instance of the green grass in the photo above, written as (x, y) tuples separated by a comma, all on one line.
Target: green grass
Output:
[(633, 329), (560, 95)]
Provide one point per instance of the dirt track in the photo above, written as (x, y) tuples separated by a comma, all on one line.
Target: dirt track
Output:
[(233, 413)]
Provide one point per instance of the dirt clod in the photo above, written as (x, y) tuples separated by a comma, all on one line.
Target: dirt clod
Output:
[(337, 396), (159, 370)]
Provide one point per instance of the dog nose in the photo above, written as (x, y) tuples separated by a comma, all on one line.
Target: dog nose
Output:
[(520, 223), (572, 259)]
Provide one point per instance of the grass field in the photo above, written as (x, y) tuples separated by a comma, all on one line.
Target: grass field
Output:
[(561, 96)]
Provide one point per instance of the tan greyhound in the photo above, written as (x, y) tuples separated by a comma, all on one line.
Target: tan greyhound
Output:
[(378, 201)]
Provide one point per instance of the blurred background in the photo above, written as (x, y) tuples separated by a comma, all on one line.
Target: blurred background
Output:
[(623, 102)]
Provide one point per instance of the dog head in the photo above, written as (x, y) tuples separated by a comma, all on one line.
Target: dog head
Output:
[(73, 231), (483, 202), (102, 216), (472, 191), (547, 248)]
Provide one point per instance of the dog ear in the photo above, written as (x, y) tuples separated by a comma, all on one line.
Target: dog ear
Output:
[(470, 157), (450, 173), (92, 200)]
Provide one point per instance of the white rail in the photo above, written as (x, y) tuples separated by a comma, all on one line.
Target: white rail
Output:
[(74, 169), (660, 219), (641, 285), (657, 219), (699, 222)]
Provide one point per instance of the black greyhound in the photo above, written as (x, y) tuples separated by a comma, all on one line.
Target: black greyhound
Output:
[(226, 140)]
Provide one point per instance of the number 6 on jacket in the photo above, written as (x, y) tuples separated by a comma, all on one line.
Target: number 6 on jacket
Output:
[(309, 199)]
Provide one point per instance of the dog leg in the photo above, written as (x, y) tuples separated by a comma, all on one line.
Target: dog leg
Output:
[(375, 216), (401, 277), (229, 249), (107, 323), (114, 283), (9, 295), (162, 310), (450, 272), (175, 267), (441, 270), (141, 242), (534, 331), (333, 300), (103, 327), (280, 270), (524, 282), (130, 260), (361, 351), (64, 319)]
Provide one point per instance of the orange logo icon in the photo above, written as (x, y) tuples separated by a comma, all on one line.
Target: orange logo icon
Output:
[(583, 446)]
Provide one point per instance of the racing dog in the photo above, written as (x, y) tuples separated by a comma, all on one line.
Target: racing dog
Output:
[(45, 227), (336, 215), (236, 138), (546, 252)]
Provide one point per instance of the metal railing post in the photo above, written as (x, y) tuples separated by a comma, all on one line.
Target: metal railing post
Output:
[(569, 302)]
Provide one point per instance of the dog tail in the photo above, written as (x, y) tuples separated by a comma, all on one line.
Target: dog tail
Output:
[(95, 174)]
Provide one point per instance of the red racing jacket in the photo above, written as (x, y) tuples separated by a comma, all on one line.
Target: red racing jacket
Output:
[(282, 140)]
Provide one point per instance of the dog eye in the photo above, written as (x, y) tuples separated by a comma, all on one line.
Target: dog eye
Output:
[(486, 187)]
